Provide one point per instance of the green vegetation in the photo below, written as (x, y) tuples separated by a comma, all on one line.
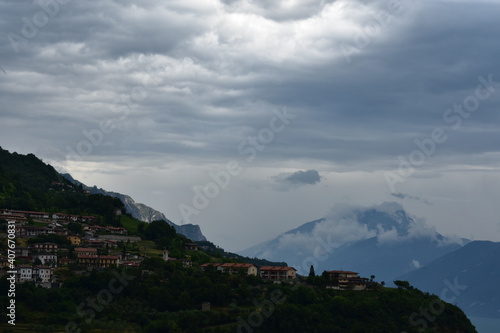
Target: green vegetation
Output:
[(384, 310), (26, 183), (218, 252), (164, 296), (51, 238), (131, 224)]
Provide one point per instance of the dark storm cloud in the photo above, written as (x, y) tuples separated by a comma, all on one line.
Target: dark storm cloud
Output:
[(216, 71)]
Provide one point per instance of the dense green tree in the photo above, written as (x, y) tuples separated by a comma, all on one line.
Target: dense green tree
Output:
[(403, 284), (75, 228), (311, 272)]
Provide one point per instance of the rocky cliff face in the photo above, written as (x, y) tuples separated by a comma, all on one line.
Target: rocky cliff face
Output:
[(145, 213)]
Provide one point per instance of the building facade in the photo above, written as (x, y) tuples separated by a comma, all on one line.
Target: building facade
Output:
[(278, 273), (346, 280)]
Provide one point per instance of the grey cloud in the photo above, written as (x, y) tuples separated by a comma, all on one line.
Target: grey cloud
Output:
[(310, 177), (345, 224), (360, 116), (399, 195), (279, 10), (216, 71), (287, 181), (412, 197)]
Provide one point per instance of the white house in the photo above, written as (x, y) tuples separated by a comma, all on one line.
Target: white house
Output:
[(48, 259), (39, 274), (44, 273), (24, 273)]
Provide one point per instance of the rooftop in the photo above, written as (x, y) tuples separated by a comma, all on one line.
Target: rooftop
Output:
[(276, 268)]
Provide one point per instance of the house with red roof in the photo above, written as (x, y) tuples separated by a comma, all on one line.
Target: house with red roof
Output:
[(278, 273), (346, 280)]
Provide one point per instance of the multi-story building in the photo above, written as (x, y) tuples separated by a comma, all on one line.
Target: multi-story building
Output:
[(22, 252), (85, 251), (48, 247), (49, 259), (234, 268), (24, 213), (74, 218), (39, 274), (278, 273), (346, 280), (112, 230), (92, 262), (100, 244), (30, 231)]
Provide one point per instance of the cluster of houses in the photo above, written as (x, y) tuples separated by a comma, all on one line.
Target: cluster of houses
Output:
[(90, 259), (89, 249), (273, 273), (112, 230), (46, 253), (22, 215), (40, 259), (65, 186), (338, 280), (54, 224), (27, 231)]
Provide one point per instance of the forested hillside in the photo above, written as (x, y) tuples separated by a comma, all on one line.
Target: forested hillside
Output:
[(165, 297), (26, 183), (145, 291)]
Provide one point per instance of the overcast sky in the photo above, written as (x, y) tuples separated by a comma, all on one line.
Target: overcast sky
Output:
[(251, 117)]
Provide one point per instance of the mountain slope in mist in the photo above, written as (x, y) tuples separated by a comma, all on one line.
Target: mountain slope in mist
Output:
[(382, 240), (467, 277)]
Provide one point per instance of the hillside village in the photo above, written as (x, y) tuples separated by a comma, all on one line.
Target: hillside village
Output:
[(98, 247), (62, 246), (61, 256)]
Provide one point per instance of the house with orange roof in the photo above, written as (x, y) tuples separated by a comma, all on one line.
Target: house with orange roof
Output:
[(278, 273)]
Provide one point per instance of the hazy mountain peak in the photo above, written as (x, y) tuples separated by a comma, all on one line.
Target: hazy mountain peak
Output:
[(382, 239), (385, 217)]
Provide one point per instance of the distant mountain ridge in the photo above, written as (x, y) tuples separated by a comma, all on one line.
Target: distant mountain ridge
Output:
[(382, 240), (143, 212), (467, 277)]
